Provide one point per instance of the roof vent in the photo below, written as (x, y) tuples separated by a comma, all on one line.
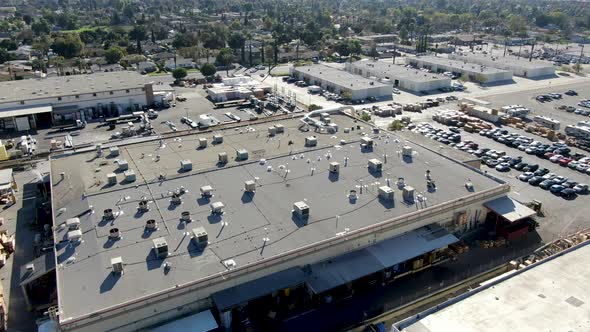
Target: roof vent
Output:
[(114, 234), (175, 199), (117, 265), (151, 225), (185, 216), (143, 205), (108, 214), (160, 247), (217, 207)]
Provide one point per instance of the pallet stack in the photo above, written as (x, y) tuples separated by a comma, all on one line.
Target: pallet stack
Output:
[(6, 246)]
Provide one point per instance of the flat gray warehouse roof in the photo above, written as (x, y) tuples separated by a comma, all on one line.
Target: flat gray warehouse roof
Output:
[(552, 296), (69, 85), (285, 172), (459, 64), (511, 60), (339, 77), (397, 71)]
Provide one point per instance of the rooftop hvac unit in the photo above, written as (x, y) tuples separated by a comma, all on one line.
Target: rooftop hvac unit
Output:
[(408, 194), (366, 142), (185, 216), (114, 151), (129, 175), (217, 207), (386, 193), (375, 165), (311, 141), (117, 264), (161, 247), (222, 157), (280, 128), (334, 167), (407, 151), (250, 186), (176, 199), (143, 205), (230, 263), (112, 178), (151, 224), (217, 139), (114, 233), (108, 214), (73, 223), (75, 235), (200, 236), (202, 143), (242, 154), (123, 165), (272, 131), (186, 165), (206, 191), (332, 128), (324, 115), (301, 210)]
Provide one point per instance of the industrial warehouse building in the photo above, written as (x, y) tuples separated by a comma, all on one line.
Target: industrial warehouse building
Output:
[(475, 73), (399, 76), (32, 103), (235, 88), (157, 230), (519, 67), (549, 295), (339, 81)]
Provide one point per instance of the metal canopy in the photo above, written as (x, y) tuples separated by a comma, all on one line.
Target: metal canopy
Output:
[(25, 111), (41, 266), (231, 297), (509, 209), (346, 268), (201, 322)]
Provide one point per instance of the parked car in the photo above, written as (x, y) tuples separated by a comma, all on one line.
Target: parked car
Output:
[(535, 180), (571, 93), (503, 167), (541, 172), (525, 176), (581, 188), (546, 184), (396, 91), (568, 193)]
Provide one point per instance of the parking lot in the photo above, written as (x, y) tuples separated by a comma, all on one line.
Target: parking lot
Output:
[(561, 215)]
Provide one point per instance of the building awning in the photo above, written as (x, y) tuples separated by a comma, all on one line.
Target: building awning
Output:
[(201, 322), (231, 297), (65, 109), (349, 267), (41, 266), (25, 111), (509, 209)]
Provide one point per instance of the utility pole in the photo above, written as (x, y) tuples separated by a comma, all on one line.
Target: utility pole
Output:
[(532, 49), (581, 53)]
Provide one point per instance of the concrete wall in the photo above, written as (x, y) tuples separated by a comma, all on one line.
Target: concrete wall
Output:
[(195, 296)]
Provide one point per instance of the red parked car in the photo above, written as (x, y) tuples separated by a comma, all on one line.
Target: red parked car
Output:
[(564, 161), (548, 155)]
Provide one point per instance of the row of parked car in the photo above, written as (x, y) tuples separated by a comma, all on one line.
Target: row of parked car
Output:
[(501, 162)]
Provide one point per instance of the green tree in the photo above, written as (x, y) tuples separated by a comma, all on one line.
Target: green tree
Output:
[(225, 58), (68, 45), (236, 42), (314, 107), (139, 34), (179, 73), (577, 67), (396, 125), (114, 54), (41, 27), (208, 69)]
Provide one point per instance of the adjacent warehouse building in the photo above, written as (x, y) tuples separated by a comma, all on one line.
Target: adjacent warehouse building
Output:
[(400, 77), (519, 67), (32, 103), (551, 295), (475, 73), (341, 82), (251, 222), (235, 88)]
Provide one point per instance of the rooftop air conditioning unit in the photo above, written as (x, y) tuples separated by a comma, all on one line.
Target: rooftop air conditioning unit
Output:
[(123, 165), (366, 142), (408, 194), (202, 143), (217, 207), (242, 154), (206, 191), (250, 186), (73, 223), (301, 210), (160, 247), (407, 151), (217, 139), (186, 165), (129, 175), (280, 128), (375, 165), (112, 178), (222, 158), (230, 264), (117, 264), (311, 141), (272, 131), (114, 151), (200, 236), (386, 193), (75, 235), (334, 167)]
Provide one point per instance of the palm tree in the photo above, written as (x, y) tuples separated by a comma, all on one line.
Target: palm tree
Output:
[(59, 62)]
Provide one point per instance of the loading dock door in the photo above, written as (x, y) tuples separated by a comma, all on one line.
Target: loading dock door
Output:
[(22, 123)]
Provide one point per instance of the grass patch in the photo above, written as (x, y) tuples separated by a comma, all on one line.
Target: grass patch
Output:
[(279, 74)]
